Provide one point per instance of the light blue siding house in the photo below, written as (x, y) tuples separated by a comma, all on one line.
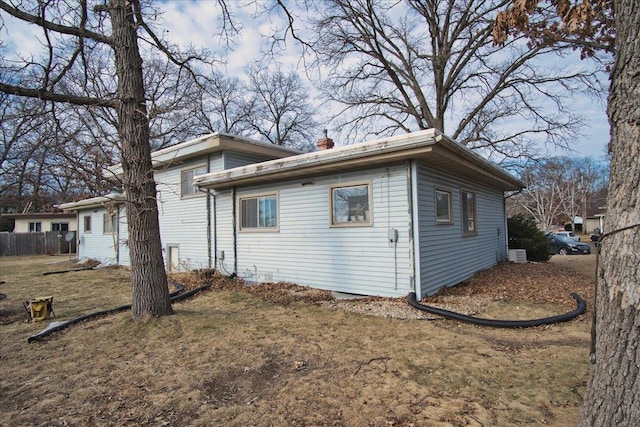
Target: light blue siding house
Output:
[(184, 211), (411, 213)]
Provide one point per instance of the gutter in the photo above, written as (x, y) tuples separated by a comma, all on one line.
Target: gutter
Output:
[(370, 153)]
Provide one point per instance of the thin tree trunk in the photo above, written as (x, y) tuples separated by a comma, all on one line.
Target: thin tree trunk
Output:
[(613, 393), (150, 294)]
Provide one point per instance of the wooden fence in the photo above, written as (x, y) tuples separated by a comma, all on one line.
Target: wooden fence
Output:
[(47, 243)]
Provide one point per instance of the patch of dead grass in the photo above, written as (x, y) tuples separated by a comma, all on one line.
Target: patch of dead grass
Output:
[(274, 355)]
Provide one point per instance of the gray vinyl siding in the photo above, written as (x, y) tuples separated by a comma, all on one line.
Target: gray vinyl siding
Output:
[(307, 251), (234, 160), (447, 257), (223, 217), (183, 220)]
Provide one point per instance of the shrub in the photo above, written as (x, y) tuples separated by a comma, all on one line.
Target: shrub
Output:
[(523, 234)]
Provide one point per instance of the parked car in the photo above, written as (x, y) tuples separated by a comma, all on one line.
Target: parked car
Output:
[(566, 246), (570, 234)]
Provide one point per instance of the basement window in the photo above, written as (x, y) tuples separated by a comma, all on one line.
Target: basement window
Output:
[(351, 205)]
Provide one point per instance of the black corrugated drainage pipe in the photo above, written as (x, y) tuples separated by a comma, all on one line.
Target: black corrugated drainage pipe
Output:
[(494, 323), (46, 273), (174, 296)]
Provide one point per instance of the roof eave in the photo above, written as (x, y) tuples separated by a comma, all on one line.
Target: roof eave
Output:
[(208, 144), (94, 202), (372, 153)]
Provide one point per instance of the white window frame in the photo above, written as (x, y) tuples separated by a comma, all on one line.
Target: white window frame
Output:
[(35, 226), (258, 197), (362, 218), (186, 181), (469, 213), (86, 223), (109, 223), (449, 219)]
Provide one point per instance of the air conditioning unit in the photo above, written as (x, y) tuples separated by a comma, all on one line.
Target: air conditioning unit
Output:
[(517, 255)]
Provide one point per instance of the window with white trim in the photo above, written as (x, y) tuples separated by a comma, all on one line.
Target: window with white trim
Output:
[(87, 223), (259, 212), (351, 205), (469, 225), (187, 186), (35, 227), (109, 223), (443, 207)]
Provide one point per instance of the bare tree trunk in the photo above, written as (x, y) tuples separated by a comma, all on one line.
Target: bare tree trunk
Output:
[(613, 394), (150, 294)]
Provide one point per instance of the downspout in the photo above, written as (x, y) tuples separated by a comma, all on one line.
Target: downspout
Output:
[(235, 233), (506, 226), (78, 234), (414, 228), (118, 235), (209, 261), (506, 230)]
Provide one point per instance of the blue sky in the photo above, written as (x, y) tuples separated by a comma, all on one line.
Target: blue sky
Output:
[(196, 23)]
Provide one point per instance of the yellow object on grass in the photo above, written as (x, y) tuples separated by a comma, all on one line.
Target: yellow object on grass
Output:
[(41, 308)]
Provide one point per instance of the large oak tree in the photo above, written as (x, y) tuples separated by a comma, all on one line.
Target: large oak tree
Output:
[(407, 65), (72, 33), (613, 393)]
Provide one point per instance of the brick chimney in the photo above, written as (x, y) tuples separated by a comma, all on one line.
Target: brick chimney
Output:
[(325, 143)]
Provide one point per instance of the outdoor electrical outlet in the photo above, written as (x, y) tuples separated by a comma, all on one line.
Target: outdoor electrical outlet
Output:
[(393, 235)]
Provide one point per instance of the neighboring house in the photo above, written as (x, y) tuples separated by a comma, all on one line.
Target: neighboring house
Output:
[(414, 212), (184, 211), (41, 222), (102, 228)]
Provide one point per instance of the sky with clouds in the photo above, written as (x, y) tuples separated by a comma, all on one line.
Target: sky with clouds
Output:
[(197, 23)]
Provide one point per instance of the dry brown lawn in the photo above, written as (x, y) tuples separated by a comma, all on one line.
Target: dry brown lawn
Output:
[(284, 356)]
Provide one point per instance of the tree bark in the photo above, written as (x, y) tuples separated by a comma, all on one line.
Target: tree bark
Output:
[(150, 293), (613, 393)]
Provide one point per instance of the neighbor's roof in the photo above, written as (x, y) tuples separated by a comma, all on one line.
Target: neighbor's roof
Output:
[(94, 202), (212, 143), (429, 146), (39, 215)]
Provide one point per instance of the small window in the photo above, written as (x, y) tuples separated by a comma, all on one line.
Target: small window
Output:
[(60, 226), (259, 212), (469, 213), (109, 224), (443, 207), (35, 227), (87, 224), (187, 187), (351, 205)]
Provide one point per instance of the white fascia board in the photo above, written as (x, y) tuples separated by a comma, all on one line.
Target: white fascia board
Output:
[(311, 162), (209, 143), (92, 202), (468, 154)]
